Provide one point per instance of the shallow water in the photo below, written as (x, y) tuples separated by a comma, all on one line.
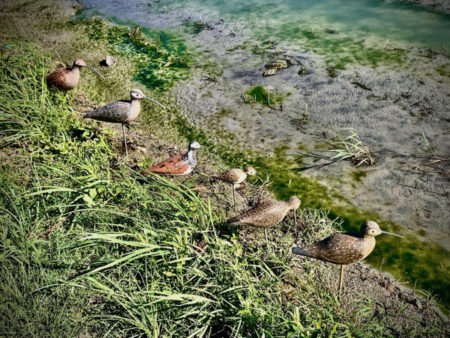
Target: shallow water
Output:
[(285, 19), (408, 98), (393, 20)]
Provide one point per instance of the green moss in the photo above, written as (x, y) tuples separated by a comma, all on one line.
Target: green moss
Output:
[(422, 232), (258, 94), (339, 50), (160, 58), (358, 175)]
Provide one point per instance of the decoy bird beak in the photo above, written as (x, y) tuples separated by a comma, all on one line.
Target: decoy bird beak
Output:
[(95, 71), (390, 233), (154, 101)]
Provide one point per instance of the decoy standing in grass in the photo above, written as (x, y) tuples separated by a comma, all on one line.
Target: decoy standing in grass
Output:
[(67, 78), (122, 111), (235, 177), (345, 248), (179, 165), (267, 214)]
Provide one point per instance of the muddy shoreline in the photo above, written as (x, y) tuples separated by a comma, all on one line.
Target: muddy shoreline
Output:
[(437, 5)]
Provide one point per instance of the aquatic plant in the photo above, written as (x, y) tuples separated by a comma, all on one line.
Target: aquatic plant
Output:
[(351, 147), (259, 94), (347, 147)]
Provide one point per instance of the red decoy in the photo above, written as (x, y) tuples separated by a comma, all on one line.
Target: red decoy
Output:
[(179, 165)]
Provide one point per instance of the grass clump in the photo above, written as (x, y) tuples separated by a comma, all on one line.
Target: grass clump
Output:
[(350, 147)]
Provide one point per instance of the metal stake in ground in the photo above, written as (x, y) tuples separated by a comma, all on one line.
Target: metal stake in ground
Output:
[(235, 177), (345, 248), (122, 111)]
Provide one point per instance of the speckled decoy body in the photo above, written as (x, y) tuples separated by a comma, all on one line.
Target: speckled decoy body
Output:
[(266, 214), (235, 177), (122, 111), (66, 79), (344, 248), (178, 165)]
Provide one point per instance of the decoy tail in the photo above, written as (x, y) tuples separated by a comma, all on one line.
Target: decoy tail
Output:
[(233, 221)]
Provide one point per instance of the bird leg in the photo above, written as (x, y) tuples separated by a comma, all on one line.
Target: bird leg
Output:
[(295, 218), (234, 197), (124, 139), (341, 280)]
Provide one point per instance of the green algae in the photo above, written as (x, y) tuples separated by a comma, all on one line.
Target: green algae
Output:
[(259, 94), (339, 50), (160, 58), (443, 70), (358, 175)]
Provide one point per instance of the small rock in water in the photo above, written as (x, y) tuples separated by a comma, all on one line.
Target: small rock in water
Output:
[(274, 66), (108, 62), (302, 69), (331, 31), (332, 71)]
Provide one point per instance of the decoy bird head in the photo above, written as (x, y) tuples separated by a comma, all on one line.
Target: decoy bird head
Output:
[(79, 63), (136, 94), (250, 171), (194, 146), (294, 202), (371, 228)]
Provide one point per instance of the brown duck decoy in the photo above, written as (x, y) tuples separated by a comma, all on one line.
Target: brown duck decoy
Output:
[(235, 177), (267, 214), (66, 79), (345, 248), (178, 165), (122, 111)]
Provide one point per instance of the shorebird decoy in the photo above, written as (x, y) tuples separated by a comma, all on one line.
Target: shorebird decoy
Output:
[(179, 165), (122, 111), (345, 248), (267, 214), (67, 78), (235, 177)]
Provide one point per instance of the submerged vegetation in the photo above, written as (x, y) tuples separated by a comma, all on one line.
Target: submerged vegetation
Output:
[(259, 94)]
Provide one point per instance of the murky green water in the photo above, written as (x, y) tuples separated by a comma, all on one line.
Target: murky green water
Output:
[(362, 19)]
